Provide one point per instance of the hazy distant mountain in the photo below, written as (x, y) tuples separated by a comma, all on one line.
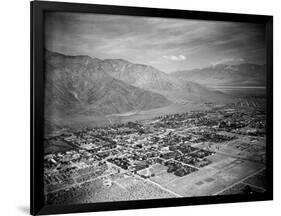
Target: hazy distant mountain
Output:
[(226, 75), (78, 84)]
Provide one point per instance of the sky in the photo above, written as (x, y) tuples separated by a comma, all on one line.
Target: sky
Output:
[(165, 43)]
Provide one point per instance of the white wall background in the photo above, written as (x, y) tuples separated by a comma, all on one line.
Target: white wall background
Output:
[(14, 95)]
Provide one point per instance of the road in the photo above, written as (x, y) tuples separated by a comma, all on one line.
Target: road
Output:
[(240, 181)]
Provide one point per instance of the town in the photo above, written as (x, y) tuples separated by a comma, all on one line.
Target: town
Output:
[(217, 151)]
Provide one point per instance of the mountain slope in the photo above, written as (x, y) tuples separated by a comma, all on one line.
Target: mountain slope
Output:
[(150, 78), (78, 85), (145, 76), (226, 75), (139, 75)]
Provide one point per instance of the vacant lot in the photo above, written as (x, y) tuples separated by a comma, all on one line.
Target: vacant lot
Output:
[(222, 173)]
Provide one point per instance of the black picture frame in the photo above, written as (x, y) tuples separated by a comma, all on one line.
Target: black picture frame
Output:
[(38, 8)]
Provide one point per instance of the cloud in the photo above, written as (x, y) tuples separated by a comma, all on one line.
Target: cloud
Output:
[(164, 43), (175, 58)]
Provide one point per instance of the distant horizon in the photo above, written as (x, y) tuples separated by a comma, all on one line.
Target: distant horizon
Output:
[(164, 43), (136, 63)]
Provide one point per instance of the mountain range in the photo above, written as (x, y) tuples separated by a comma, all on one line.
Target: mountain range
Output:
[(80, 87), (85, 85), (226, 75), (142, 76), (154, 80), (77, 84)]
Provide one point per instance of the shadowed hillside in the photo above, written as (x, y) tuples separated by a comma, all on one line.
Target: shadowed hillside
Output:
[(78, 85)]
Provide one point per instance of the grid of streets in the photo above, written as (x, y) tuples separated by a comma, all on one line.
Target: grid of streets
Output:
[(217, 151)]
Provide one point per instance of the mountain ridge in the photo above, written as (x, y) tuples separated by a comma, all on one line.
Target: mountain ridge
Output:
[(150, 78), (246, 74), (76, 84)]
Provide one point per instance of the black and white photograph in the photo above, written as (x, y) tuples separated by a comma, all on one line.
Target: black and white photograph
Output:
[(140, 108), (155, 108)]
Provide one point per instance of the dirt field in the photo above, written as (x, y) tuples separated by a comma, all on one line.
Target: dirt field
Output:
[(221, 174)]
